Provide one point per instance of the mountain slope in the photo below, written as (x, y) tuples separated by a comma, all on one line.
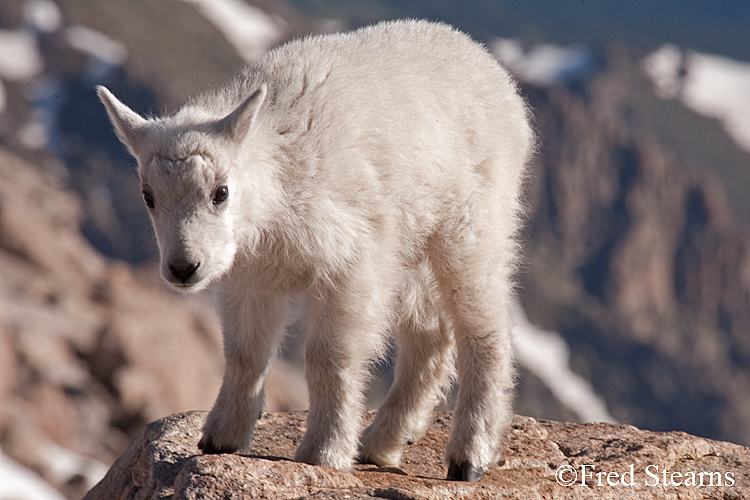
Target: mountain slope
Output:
[(634, 253), (636, 261)]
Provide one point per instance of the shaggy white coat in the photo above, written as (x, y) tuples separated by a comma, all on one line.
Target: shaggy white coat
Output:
[(376, 174)]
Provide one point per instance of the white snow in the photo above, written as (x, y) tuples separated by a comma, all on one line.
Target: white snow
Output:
[(96, 44), (19, 483), (33, 135), (43, 15), (249, 29), (711, 85), (546, 355), (19, 59), (19, 55), (663, 67), (47, 94), (544, 64), (64, 465)]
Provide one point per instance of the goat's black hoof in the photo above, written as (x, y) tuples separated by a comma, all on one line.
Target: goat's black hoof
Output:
[(366, 460), (464, 472), (208, 447)]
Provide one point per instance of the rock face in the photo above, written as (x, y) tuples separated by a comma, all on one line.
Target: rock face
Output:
[(633, 254), (635, 257), (541, 460), (91, 350)]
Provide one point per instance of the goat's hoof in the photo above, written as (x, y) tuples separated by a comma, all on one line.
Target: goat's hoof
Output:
[(464, 472), (208, 447)]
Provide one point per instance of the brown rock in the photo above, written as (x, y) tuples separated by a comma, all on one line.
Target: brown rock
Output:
[(635, 257), (165, 462), (91, 350)]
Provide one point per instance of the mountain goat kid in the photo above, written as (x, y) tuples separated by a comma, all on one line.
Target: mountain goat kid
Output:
[(376, 177)]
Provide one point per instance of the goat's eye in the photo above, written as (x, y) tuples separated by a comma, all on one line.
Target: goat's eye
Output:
[(149, 199), (220, 195)]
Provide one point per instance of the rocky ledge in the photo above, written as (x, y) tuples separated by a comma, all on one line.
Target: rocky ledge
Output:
[(541, 460)]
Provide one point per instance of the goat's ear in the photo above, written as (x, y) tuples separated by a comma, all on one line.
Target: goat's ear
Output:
[(236, 125), (129, 125)]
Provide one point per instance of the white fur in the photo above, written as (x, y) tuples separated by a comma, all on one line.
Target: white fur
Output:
[(377, 173)]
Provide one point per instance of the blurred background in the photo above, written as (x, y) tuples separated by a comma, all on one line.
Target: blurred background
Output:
[(635, 295)]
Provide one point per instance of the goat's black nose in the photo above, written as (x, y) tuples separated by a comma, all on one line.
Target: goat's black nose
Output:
[(183, 270)]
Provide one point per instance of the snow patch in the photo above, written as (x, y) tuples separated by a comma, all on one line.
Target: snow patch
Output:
[(43, 15), (713, 86), (546, 355), (19, 55), (250, 30), (19, 59), (46, 94), (33, 135), (105, 54), (544, 64), (96, 44), (664, 67), (65, 465), (19, 483)]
